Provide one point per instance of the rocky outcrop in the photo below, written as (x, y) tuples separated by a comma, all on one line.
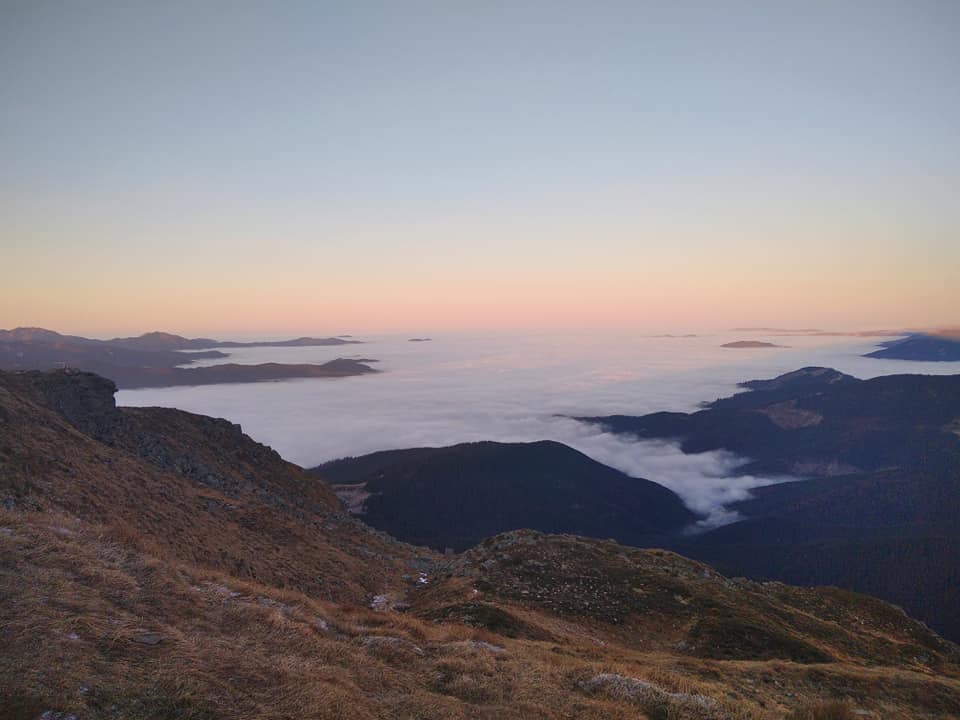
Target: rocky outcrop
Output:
[(86, 400)]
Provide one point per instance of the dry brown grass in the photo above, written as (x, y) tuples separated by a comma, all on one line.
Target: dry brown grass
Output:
[(831, 710), (235, 647), (264, 615), (247, 532), (231, 647)]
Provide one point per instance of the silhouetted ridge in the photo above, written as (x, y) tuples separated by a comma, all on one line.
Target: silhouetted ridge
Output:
[(920, 347), (818, 422), (455, 496), (157, 359)]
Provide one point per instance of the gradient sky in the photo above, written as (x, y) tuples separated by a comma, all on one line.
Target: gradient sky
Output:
[(246, 167)]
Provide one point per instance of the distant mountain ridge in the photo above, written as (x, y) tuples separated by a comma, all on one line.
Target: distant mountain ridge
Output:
[(156, 340), (154, 359), (168, 341), (155, 377), (817, 422), (922, 347), (749, 344), (41, 335)]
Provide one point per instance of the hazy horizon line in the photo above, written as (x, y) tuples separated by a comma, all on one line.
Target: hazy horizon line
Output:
[(421, 331)]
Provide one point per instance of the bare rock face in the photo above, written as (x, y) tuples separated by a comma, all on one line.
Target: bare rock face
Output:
[(84, 399), (148, 638)]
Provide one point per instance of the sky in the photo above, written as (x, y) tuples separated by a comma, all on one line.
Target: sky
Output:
[(316, 167)]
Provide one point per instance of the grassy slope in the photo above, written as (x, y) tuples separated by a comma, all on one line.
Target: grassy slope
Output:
[(280, 527)]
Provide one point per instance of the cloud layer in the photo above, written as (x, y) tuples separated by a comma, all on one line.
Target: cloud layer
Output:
[(517, 388)]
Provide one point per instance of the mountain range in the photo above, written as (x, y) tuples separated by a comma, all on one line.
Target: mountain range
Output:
[(154, 341), (160, 564), (925, 347), (818, 422), (158, 359)]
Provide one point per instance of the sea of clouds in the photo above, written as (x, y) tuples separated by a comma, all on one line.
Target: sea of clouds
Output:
[(514, 388)]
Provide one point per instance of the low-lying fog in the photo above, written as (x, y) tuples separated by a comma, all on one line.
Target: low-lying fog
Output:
[(512, 388)]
